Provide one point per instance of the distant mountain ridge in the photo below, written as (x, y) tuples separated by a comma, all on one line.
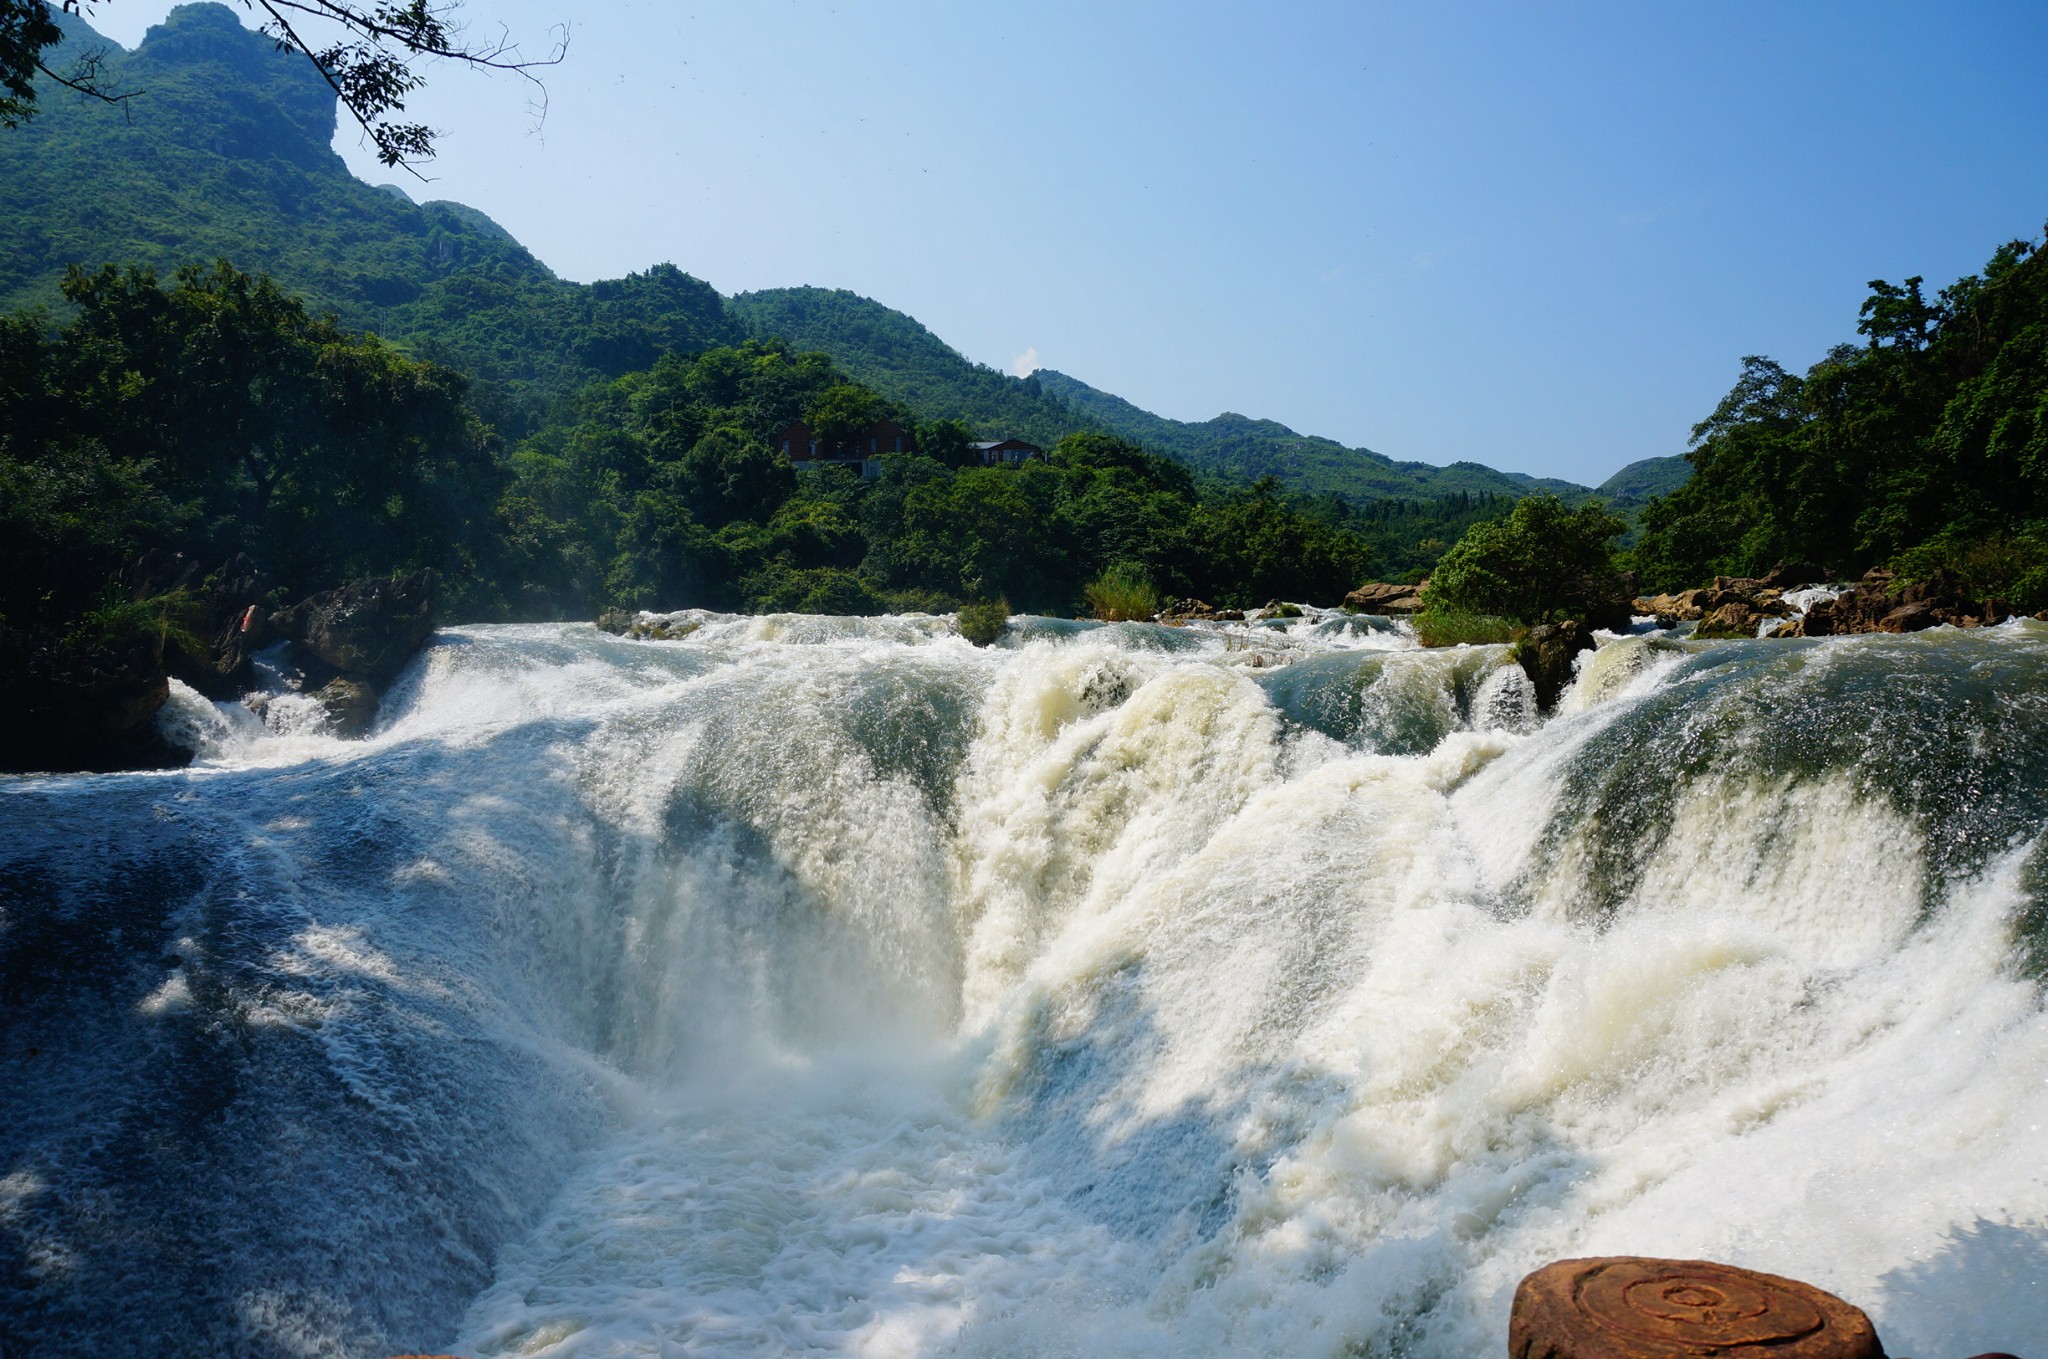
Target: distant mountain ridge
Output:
[(229, 155)]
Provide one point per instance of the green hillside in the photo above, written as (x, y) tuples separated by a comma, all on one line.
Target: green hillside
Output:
[(894, 354), (898, 357), (1237, 446), (1638, 483), (225, 153)]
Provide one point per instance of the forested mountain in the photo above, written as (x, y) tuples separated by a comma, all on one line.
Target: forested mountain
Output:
[(1641, 482), (227, 155), (1237, 446), (895, 355)]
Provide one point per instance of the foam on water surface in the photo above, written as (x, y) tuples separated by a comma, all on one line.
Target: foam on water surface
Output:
[(831, 986)]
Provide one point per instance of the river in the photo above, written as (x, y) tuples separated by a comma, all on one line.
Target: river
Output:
[(830, 986)]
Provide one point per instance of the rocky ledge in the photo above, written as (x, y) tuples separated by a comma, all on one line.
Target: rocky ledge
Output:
[(1386, 598), (1740, 607), (78, 705)]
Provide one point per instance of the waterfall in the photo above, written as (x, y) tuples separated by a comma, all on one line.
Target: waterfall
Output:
[(830, 985)]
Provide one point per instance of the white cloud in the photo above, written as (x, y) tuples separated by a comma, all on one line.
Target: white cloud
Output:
[(1026, 363)]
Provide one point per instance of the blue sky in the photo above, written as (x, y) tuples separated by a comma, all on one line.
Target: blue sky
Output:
[(1536, 236)]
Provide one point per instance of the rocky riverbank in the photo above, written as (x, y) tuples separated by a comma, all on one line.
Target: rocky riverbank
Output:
[(87, 701)]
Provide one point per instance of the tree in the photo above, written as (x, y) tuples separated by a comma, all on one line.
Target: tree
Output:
[(1541, 562), (367, 50)]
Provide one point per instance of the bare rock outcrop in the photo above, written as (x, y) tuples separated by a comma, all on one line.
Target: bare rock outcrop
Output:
[(1874, 606), (1384, 597)]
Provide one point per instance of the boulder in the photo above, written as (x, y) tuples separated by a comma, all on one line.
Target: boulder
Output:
[(71, 708), (1386, 598), (1736, 618), (1683, 607), (351, 705), (1911, 617), (1793, 575), (1547, 656), (368, 629)]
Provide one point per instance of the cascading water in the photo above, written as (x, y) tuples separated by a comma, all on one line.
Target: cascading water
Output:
[(819, 985)]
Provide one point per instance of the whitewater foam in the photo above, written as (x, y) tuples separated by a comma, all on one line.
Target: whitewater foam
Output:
[(832, 986)]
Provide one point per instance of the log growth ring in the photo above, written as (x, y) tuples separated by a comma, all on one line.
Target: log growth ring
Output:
[(1625, 1307)]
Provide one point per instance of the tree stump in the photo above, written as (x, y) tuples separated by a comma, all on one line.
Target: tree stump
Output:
[(1623, 1307)]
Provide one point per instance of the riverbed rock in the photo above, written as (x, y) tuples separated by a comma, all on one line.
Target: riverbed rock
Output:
[(351, 705), (1736, 618), (368, 629), (1547, 656), (1793, 575), (76, 708), (1385, 597), (1910, 618), (1627, 1307)]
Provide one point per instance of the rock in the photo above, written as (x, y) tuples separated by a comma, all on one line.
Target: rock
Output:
[(1624, 1307), (368, 629), (1731, 620), (1386, 598), (1683, 607), (72, 708), (1547, 656), (617, 621), (351, 706), (1910, 618), (1793, 575)]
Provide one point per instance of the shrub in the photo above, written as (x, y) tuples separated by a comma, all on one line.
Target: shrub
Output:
[(2009, 566), (1122, 594), (161, 623), (982, 623)]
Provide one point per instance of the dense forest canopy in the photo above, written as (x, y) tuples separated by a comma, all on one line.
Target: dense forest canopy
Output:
[(215, 415), (669, 489), (1925, 446)]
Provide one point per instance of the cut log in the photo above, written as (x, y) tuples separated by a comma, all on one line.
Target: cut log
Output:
[(1625, 1307)]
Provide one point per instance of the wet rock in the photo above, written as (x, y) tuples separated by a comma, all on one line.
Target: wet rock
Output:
[(1386, 598), (1736, 618), (368, 629), (618, 622), (81, 708), (1547, 656), (1910, 618), (1793, 575), (351, 706), (1624, 1307)]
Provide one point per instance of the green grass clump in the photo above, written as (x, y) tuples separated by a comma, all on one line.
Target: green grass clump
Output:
[(1455, 627), (982, 623), (1122, 594)]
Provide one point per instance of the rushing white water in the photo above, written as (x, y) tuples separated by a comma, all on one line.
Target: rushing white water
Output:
[(830, 986)]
